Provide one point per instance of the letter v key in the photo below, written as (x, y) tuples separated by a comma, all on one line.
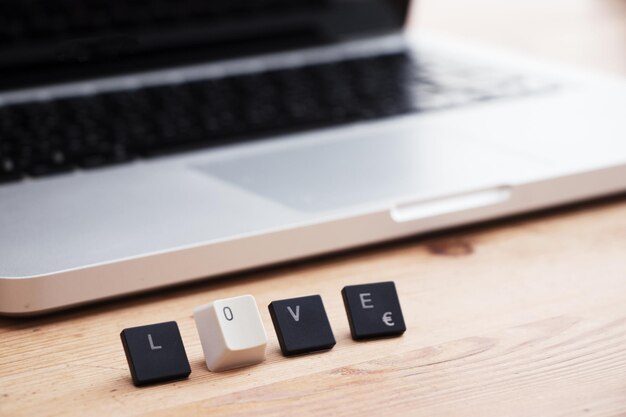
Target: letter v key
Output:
[(296, 315)]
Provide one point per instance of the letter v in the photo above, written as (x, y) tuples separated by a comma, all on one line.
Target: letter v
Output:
[(296, 315)]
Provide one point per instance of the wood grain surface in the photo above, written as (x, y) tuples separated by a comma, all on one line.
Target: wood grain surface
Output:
[(521, 317)]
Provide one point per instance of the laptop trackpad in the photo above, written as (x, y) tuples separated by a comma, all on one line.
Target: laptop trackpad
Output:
[(365, 166)]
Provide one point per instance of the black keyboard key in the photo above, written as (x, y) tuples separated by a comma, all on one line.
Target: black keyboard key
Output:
[(9, 169), (116, 155), (155, 353), (373, 310), (51, 162), (301, 325)]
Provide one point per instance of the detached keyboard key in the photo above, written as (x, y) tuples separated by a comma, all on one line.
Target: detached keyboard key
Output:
[(231, 333), (301, 325), (155, 353), (373, 310)]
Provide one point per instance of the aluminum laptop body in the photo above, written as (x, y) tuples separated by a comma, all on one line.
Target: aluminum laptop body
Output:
[(508, 135)]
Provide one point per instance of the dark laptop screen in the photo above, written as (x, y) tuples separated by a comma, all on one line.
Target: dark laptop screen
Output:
[(43, 41)]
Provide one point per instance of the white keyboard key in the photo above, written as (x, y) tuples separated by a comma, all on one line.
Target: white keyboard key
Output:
[(231, 332)]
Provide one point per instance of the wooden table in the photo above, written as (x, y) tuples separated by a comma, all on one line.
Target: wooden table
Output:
[(519, 317)]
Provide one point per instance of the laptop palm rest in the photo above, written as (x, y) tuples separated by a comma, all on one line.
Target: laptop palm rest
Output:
[(414, 163)]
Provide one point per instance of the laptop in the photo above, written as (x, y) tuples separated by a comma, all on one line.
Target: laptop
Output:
[(148, 143)]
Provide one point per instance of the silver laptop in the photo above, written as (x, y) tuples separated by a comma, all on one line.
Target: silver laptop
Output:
[(150, 143)]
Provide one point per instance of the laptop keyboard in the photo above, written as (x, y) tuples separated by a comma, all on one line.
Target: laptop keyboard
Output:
[(60, 135)]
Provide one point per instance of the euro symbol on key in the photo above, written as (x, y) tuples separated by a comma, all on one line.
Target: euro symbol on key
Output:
[(388, 320)]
